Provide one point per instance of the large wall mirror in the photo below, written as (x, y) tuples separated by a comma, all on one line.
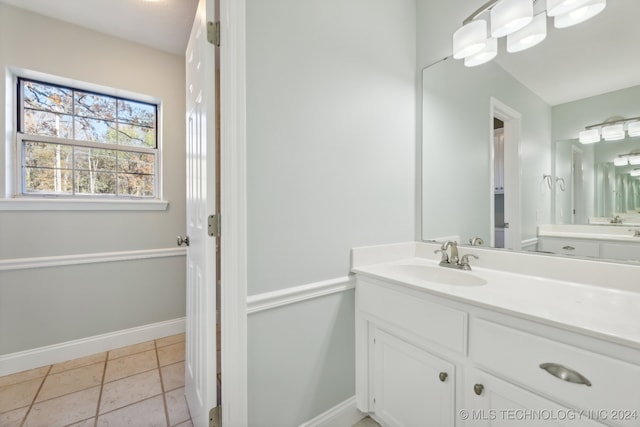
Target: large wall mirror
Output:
[(501, 159)]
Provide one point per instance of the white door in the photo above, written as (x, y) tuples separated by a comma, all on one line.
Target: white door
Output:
[(200, 360)]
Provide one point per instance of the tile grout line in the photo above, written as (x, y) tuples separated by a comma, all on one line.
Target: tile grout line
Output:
[(164, 396), (104, 375), (33, 401)]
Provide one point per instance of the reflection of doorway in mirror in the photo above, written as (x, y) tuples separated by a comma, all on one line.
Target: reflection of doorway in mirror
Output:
[(577, 207), (498, 181), (506, 229)]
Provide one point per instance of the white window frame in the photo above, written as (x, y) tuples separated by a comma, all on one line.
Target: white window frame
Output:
[(17, 201)]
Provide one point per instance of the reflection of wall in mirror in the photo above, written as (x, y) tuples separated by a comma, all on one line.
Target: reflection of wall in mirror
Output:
[(608, 190)]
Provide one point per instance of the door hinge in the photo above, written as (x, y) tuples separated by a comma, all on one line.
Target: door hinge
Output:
[(213, 33), (214, 225), (215, 417)]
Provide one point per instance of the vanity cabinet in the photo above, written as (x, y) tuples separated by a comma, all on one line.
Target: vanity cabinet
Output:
[(409, 386), (406, 351), (429, 360)]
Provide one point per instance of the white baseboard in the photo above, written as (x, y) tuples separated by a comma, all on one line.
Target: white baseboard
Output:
[(56, 353), (344, 414)]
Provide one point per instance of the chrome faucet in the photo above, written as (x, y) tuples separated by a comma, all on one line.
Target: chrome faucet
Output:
[(616, 220), (476, 241), (636, 232), (453, 260)]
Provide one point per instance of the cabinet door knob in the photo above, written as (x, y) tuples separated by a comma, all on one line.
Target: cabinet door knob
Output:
[(478, 389), (443, 376)]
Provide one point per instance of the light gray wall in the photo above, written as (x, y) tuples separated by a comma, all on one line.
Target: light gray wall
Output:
[(118, 294), (331, 165)]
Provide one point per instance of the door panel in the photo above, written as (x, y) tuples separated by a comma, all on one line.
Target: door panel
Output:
[(200, 359)]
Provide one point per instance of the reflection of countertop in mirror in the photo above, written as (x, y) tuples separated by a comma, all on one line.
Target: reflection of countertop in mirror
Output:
[(594, 298), (626, 219), (618, 232)]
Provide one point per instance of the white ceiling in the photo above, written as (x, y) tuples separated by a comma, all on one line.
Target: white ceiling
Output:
[(162, 24), (591, 58)]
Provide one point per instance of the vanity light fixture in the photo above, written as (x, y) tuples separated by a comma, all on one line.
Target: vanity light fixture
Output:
[(580, 14), (470, 39), (560, 7), (528, 36), (634, 159), (508, 16), (515, 19), (485, 55), (589, 136), (635, 172), (613, 132)]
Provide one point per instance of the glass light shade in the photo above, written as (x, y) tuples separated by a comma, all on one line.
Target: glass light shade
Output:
[(635, 172), (613, 132), (560, 7), (470, 39), (485, 55), (633, 129), (621, 161), (528, 36), (634, 160), (589, 136), (508, 16), (580, 14)]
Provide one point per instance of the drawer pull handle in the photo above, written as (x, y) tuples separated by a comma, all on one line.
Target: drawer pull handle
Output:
[(568, 248), (443, 376), (565, 374), (478, 389)]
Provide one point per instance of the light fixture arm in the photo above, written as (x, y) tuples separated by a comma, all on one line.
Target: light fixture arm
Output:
[(612, 122), (482, 9)]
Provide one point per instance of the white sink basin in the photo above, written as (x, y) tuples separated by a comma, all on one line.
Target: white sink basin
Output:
[(438, 274)]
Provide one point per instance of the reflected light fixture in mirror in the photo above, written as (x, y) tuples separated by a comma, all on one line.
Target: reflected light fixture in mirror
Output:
[(622, 160), (589, 136), (633, 129), (528, 36), (634, 160), (613, 132), (635, 172), (509, 17)]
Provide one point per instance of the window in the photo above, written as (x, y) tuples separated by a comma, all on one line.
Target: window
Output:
[(78, 143)]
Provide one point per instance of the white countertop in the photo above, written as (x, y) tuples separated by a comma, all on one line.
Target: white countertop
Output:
[(608, 312)]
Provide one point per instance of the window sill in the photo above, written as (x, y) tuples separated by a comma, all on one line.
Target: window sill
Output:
[(54, 204)]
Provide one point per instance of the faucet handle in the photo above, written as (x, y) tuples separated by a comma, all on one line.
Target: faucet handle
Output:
[(464, 261), (445, 256)]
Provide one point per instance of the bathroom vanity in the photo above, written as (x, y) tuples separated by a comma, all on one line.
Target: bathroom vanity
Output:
[(512, 342)]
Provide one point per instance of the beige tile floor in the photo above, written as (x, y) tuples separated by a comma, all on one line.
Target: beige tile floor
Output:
[(139, 385)]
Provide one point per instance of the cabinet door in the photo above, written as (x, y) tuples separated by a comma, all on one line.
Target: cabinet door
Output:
[(491, 402), (410, 387)]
